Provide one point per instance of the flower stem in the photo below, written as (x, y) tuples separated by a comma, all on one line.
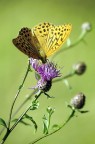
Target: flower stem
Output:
[(18, 109), (64, 77), (17, 94), (42, 137), (11, 129), (23, 103), (18, 120)]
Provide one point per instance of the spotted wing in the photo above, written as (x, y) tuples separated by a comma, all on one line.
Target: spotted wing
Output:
[(25, 43), (41, 32), (56, 37)]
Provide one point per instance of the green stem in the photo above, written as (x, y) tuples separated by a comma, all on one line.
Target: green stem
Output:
[(16, 96), (49, 122), (64, 77), (23, 103), (18, 120), (18, 92), (11, 129), (42, 137), (18, 109)]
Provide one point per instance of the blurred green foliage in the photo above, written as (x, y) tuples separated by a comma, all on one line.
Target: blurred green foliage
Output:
[(17, 14)]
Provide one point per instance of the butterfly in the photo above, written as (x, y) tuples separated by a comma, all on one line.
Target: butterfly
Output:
[(43, 40)]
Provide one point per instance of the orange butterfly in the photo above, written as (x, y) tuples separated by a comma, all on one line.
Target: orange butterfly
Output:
[(43, 40)]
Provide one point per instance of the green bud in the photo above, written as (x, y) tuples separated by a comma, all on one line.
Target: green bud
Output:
[(78, 101), (79, 68), (86, 26)]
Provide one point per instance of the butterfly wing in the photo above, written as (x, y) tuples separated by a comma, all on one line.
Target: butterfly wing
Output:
[(56, 37), (43, 40), (41, 33), (25, 43)]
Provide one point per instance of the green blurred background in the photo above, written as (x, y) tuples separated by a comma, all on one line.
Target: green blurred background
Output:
[(17, 14)]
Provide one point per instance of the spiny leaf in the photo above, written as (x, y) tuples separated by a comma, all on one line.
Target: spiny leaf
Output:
[(46, 125), (32, 120), (2, 122), (83, 111), (55, 126), (35, 105)]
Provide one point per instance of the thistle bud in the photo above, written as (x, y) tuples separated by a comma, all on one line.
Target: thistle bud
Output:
[(78, 101), (79, 68), (86, 26)]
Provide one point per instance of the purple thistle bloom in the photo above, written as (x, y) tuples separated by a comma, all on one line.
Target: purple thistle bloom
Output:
[(47, 72), (34, 63)]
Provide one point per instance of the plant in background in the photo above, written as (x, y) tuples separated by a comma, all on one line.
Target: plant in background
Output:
[(40, 43)]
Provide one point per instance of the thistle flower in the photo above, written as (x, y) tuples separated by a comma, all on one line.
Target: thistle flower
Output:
[(46, 71)]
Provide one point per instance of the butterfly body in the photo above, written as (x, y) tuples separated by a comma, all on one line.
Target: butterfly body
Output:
[(43, 40)]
